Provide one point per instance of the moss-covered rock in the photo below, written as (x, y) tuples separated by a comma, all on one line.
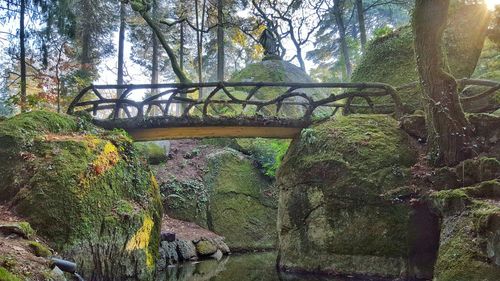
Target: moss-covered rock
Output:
[(240, 209), (205, 248), (279, 71), (463, 42), (469, 244), (84, 190), (225, 192), (339, 209)]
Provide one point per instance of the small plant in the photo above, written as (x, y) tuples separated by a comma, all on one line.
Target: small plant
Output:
[(39, 250), (308, 136)]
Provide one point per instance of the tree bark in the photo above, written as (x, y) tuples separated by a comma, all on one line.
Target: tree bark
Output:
[(121, 43), (337, 12), (361, 23), (181, 48), (86, 36), (448, 130), (154, 58), (23, 55), (220, 42)]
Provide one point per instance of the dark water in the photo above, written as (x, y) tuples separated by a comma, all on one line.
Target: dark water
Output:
[(246, 267)]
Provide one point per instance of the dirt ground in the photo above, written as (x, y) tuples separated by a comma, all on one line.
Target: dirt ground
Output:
[(187, 160), (186, 230), (16, 254)]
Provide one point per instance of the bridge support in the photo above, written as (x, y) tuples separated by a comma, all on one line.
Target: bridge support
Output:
[(214, 132)]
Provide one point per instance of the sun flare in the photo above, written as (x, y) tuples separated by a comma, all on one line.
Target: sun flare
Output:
[(492, 3)]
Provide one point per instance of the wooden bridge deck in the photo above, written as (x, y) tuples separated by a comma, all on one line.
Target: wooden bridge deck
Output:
[(213, 132)]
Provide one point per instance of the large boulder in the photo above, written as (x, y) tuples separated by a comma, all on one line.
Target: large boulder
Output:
[(84, 190), (220, 189), (463, 42), (342, 205), (470, 236), (279, 71)]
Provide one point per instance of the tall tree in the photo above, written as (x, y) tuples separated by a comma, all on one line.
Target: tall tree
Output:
[(23, 54), (142, 7), (448, 129), (338, 12), (154, 58), (220, 41), (121, 45), (361, 22)]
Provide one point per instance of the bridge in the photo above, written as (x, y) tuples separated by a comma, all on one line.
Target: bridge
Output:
[(232, 109)]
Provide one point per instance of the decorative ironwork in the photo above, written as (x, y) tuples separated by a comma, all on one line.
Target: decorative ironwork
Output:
[(178, 104), (247, 104)]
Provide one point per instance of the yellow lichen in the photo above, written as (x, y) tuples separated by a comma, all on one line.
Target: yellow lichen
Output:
[(141, 239), (107, 159), (92, 141), (154, 182)]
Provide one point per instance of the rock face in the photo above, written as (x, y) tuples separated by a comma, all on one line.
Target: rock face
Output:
[(470, 236), (222, 190), (354, 200), (341, 207), (463, 42), (85, 190)]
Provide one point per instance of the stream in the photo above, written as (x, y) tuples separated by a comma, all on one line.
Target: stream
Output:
[(242, 267)]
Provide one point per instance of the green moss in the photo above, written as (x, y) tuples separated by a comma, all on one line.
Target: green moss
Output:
[(186, 200), (463, 42), (454, 201), (36, 122), (38, 249), (364, 142), (340, 187), (239, 207), (468, 229), (205, 247), (255, 72), (86, 190), (277, 71), (5, 275), (267, 152), (460, 255)]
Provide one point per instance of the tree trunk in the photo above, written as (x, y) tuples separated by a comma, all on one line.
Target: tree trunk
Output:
[(154, 57), (361, 23), (337, 12), (448, 129), (170, 53), (220, 42), (86, 37), (46, 38), (121, 43), (23, 55), (181, 48)]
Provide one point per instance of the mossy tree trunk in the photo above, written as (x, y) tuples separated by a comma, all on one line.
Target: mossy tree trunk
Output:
[(448, 129)]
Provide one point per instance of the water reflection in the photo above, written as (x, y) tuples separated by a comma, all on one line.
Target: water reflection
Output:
[(247, 267)]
